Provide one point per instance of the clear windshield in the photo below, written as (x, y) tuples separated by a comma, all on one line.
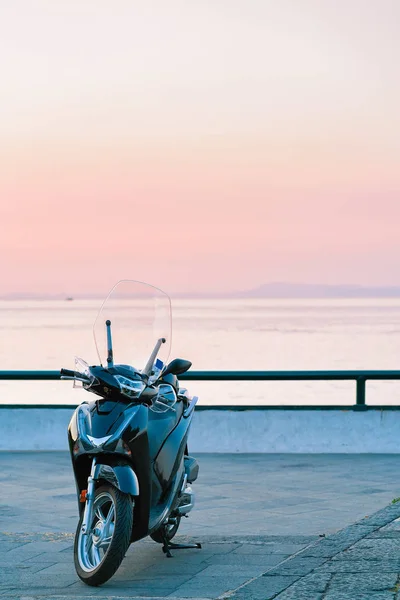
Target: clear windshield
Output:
[(139, 316)]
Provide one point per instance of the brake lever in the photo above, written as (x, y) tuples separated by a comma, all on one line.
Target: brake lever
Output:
[(70, 378)]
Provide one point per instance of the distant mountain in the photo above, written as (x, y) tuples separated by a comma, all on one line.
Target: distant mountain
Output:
[(32, 296), (310, 290), (267, 290)]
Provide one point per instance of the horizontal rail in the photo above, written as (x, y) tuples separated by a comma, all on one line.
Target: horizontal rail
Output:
[(30, 375), (359, 376), (227, 407), (288, 375), (233, 375)]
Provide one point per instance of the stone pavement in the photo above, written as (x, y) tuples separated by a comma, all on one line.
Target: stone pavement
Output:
[(261, 519)]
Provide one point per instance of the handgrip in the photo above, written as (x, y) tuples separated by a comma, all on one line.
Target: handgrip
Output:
[(76, 375), (67, 373)]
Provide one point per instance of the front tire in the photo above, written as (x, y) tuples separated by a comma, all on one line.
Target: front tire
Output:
[(98, 554)]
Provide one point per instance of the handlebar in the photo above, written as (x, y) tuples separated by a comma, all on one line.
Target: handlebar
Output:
[(69, 374)]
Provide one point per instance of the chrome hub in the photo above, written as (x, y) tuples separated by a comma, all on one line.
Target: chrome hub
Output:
[(98, 533)]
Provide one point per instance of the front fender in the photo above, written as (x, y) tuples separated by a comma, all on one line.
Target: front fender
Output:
[(122, 477)]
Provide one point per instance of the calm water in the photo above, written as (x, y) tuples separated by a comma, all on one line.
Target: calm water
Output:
[(219, 334)]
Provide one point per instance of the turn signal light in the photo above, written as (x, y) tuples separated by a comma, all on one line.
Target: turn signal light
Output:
[(126, 448), (82, 497)]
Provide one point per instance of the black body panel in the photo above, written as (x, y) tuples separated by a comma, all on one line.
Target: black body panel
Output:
[(191, 468), (144, 452), (171, 454)]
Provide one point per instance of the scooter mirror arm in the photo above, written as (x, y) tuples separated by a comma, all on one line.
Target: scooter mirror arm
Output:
[(110, 355), (149, 365)]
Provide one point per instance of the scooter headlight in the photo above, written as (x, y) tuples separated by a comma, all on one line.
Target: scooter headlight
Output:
[(129, 387)]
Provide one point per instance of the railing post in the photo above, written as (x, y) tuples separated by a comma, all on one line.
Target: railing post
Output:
[(360, 401)]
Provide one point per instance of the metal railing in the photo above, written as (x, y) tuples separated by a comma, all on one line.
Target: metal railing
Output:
[(360, 377)]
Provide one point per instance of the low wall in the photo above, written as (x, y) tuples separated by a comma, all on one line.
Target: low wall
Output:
[(249, 430)]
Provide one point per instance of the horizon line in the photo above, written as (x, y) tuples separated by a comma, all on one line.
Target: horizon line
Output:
[(273, 290)]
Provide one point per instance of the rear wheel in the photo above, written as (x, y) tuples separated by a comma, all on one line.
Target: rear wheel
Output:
[(98, 554), (169, 531)]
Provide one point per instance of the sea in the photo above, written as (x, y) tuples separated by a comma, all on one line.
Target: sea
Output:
[(218, 334)]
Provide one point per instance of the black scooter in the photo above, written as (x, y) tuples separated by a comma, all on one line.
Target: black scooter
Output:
[(129, 449)]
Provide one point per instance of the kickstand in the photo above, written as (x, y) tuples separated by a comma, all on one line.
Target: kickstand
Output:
[(168, 546)]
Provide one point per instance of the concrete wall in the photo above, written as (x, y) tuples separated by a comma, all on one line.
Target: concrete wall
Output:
[(231, 431)]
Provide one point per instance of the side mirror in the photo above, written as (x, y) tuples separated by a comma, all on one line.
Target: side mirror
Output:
[(177, 367)]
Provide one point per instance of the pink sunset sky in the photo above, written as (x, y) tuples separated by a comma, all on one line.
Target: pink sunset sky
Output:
[(198, 145)]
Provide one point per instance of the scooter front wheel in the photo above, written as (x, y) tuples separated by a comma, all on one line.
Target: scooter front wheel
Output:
[(99, 553)]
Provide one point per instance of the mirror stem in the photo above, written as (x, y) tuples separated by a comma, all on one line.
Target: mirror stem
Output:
[(149, 365), (110, 359)]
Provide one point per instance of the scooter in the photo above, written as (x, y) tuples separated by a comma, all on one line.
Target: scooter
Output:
[(129, 447)]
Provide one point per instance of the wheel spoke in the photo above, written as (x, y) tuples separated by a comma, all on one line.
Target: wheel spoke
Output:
[(91, 560), (99, 514), (87, 549), (109, 519), (106, 542), (88, 543), (95, 555)]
